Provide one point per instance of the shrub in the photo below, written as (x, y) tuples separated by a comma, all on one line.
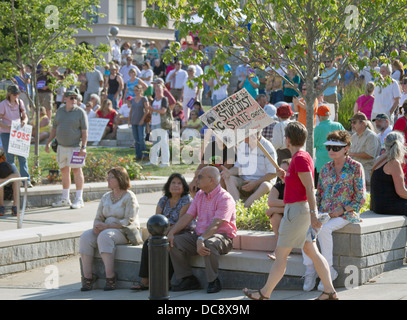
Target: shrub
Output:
[(254, 217), (351, 94)]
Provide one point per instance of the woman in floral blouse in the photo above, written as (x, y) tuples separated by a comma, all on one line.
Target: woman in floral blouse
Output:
[(341, 192)]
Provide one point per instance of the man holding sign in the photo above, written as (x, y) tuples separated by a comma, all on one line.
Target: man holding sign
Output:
[(70, 127)]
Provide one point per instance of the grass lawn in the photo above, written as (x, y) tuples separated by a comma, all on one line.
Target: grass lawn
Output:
[(46, 158)]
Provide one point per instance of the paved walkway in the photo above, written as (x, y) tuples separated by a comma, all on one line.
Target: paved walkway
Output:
[(33, 284)]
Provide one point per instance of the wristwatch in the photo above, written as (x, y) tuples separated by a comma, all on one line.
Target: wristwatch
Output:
[(201, 238), (83, 147)]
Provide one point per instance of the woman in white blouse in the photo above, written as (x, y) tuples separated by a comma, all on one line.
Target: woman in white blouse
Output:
[(117, 208)]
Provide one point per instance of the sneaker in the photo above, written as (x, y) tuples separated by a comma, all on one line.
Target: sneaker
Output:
[(309, 281), (164, 165), (78, 203), (334, 275), (62, 203)]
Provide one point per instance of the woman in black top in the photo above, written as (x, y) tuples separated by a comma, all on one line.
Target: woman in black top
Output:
[(115, 87), (388, 191)]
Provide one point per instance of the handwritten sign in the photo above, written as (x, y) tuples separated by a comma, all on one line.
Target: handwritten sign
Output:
[(239, 111), (96, 127), (20, 139)]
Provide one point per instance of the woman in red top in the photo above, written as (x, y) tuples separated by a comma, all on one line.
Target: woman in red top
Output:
[(300, 212), (107, 112)]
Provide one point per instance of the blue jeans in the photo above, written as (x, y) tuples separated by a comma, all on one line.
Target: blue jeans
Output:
[(5, 138), (115, 102), (138, 135)]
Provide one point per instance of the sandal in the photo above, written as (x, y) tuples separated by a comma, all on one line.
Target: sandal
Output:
[(14, 211), (87, 283), (110, 284), (249, 293), (329, 294), (139, 286)]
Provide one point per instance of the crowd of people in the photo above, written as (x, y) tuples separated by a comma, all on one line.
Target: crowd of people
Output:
[(138, 89)]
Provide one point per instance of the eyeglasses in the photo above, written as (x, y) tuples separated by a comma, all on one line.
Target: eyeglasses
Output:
[(201, 177), (334, 148), (354, 121)]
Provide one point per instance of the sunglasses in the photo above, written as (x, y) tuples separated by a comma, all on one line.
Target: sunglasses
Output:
[(334, 148), (73, 98)]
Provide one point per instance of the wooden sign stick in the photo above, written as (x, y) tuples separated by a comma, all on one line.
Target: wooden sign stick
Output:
[(267, 155)]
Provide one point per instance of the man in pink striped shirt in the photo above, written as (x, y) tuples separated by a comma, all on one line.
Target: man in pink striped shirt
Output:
[(215, 211)]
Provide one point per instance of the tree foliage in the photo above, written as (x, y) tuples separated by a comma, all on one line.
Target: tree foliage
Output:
[(42, 32), (296, 33)]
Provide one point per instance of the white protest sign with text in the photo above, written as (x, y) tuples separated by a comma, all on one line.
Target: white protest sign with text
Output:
[(239, 111), (20, 139), (96, 127)]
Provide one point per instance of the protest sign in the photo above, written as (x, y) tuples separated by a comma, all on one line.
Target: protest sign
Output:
[(20, 139), (76, 158), (96, 127), (239, 113)]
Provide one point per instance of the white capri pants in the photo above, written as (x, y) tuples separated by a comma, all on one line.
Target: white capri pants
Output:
[(325, 239), (106, 241)]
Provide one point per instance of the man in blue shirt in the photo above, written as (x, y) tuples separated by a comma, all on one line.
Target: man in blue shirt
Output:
[(331, 93), (321, 131), (251, 83)]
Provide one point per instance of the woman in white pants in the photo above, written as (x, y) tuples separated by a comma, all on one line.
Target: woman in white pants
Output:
[(341, 192), (117, 209)]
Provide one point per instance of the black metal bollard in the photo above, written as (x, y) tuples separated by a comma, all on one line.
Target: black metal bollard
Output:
[(158, 226)]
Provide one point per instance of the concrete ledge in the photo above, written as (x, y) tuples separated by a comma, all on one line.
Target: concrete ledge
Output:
[(376, 245), (42, 196)]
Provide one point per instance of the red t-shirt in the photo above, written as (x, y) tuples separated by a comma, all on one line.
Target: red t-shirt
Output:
[(294, 189), (109, 116), (400, 125)]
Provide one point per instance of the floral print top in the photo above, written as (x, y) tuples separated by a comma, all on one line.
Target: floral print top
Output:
[(349, 189)]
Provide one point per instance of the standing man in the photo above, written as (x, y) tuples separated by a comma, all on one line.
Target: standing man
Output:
[(321, 131), (386, 99), (215, 212), (70, 127), (331, 92), (177, 78), (94, 84), (115, 51)]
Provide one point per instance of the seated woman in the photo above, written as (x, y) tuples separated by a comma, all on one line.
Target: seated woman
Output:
[(276, 203), (388, 191), (6, 172), (107, 112), (118, 208), (44, 126), (341, 192), (173, 205), (192, 128)]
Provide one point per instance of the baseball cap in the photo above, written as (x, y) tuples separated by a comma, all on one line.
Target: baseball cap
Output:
[(323, 111), (13, 89), (381, 116), (70, 93)]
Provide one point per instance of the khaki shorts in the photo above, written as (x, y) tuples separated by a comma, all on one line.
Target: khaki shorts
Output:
[(64, 156), (294, 225), (244, 195)]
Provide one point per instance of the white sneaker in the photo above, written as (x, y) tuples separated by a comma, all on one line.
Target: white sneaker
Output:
[(309, 281), (164, 165), (62, 203), (78, 203), (334, 275)]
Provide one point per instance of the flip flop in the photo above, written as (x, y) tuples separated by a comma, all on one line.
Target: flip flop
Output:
[(249, 293), (138, 286)]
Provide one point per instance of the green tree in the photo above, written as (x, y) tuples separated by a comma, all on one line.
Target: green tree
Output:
[(42, 32), (300, 34)]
